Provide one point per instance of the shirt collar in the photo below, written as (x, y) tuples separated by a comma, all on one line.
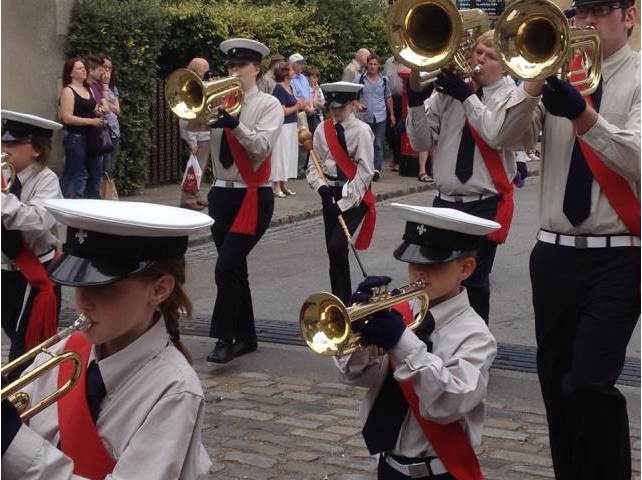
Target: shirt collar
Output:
[(447, 310), (497, 84), (348, 120), (27, 172), (613, 62), (119, 367), (252, 91)]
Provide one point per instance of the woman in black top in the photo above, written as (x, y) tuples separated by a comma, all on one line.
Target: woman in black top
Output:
[(79, 113), (286, 151)]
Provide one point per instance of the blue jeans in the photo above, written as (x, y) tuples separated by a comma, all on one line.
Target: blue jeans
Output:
[(95, 171), (74, 174), (109, 159), (379, 130)]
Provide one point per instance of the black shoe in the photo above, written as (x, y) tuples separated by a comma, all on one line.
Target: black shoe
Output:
[(241, 347), (376, 176), (222, 353)]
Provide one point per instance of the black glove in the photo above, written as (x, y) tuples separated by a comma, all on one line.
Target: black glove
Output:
[(562, 99), (450, 84), (11, 423), (332, 210), (364, 290), (415, 98), (225, 120), (326, 195), (383, 328)]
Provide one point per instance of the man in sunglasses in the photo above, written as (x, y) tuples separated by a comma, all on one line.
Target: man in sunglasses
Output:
[(585, 267)]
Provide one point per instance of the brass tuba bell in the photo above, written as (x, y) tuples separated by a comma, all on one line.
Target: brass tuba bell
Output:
[(326, 323), (190, 98), (427, 35), (534, 40)]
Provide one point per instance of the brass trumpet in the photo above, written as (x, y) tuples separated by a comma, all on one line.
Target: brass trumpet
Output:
[(534, 40), (190, 98), (21, 399), (427, 35), (325, 321), (8, 172)]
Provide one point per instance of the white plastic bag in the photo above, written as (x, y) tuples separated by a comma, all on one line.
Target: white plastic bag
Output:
[(192, 178)]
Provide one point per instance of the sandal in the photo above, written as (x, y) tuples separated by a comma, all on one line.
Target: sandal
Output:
[(424, 177), (394, 167)]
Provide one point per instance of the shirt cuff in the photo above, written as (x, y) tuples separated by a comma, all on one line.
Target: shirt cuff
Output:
[(22, 452), (410, 355), (471, 104), (597, 137), (241, 132)]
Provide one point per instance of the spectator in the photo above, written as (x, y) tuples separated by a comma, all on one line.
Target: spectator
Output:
[(110, 93), (285, 151), (375, 107), (94, 162), (77, 112), (267, 82), (318, 100), (425, 166), (197, 137), (391, 70), (356, 66), (302, 91)]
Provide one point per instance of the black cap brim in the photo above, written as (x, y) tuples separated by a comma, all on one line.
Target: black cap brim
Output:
[(74, 271), (423, 255)]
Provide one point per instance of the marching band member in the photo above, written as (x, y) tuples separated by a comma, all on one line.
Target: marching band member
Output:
[(137, 409), (30, 301), (344, 146), (585, 267), (470, 131), (241, 200), (424, 410)]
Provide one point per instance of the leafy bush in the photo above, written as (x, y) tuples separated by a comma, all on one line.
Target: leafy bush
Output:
[(131, 32)]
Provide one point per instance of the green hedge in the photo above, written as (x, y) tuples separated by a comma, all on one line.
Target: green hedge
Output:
[(149, 38)]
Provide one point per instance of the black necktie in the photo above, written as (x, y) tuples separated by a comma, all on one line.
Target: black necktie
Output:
[(389, 410), (466, 153), (95, 389), (342, 140), (12, 239), (225, 154), (577, 196)]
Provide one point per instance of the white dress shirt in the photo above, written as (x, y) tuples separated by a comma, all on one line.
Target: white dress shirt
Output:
[(150, 419), (450, 382), (360, 143)]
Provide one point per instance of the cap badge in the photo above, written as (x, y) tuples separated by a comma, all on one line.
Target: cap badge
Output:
[(81, 235), (421, 229)]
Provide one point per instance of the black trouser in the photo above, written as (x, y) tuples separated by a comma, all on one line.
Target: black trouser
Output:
[(337, 246), (587, 302), (14, 318), (478, 284), (392, 133), (386, 472), (233, 316)]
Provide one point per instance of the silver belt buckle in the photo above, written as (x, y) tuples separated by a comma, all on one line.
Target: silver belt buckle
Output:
[(418, 470), (581, 242), (229, 184), (459, 198)]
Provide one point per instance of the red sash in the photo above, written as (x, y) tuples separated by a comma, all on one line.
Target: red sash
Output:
[(495, 167), (616, 189), (42, 321), (349, 169), (247, 216), (79, 438), (448, 440)]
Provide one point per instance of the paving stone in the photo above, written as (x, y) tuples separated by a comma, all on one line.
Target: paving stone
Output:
[(219, 396), (255, 375), (336, 386), (504, 423), (521, 457), (255, 460), (295, 381), (354, 476), (506, 434), (238, 471), (348, 431), (259, 392), (298, 422), (259, 384), (343, 412), (294, 388), (323, 418), (528, 409), (327, 448), (536, 471), (216, 467), (302, 397), (330, 437), (249, 414), (345, 402), (276, 439), (304, 456), (352, 463), (262, 448), (208, 383), (273, 401), (356, 442), (312, 470), (533, 418)]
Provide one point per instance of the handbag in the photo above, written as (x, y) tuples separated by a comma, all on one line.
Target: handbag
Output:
[(99, 141), (108, 188), (192, 178)]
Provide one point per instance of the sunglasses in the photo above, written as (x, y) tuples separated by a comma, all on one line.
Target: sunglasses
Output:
[(596, 10)]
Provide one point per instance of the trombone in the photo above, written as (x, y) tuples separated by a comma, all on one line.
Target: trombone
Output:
[(8, 172), (21, 399), (326, 323), (427, 35), (190, 98), (534, 40)]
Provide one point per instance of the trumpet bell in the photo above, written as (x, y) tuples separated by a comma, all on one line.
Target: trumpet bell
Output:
[(7, 172)]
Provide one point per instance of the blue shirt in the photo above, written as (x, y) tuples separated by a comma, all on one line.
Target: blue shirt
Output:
[(373, 96), (301, 87)]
